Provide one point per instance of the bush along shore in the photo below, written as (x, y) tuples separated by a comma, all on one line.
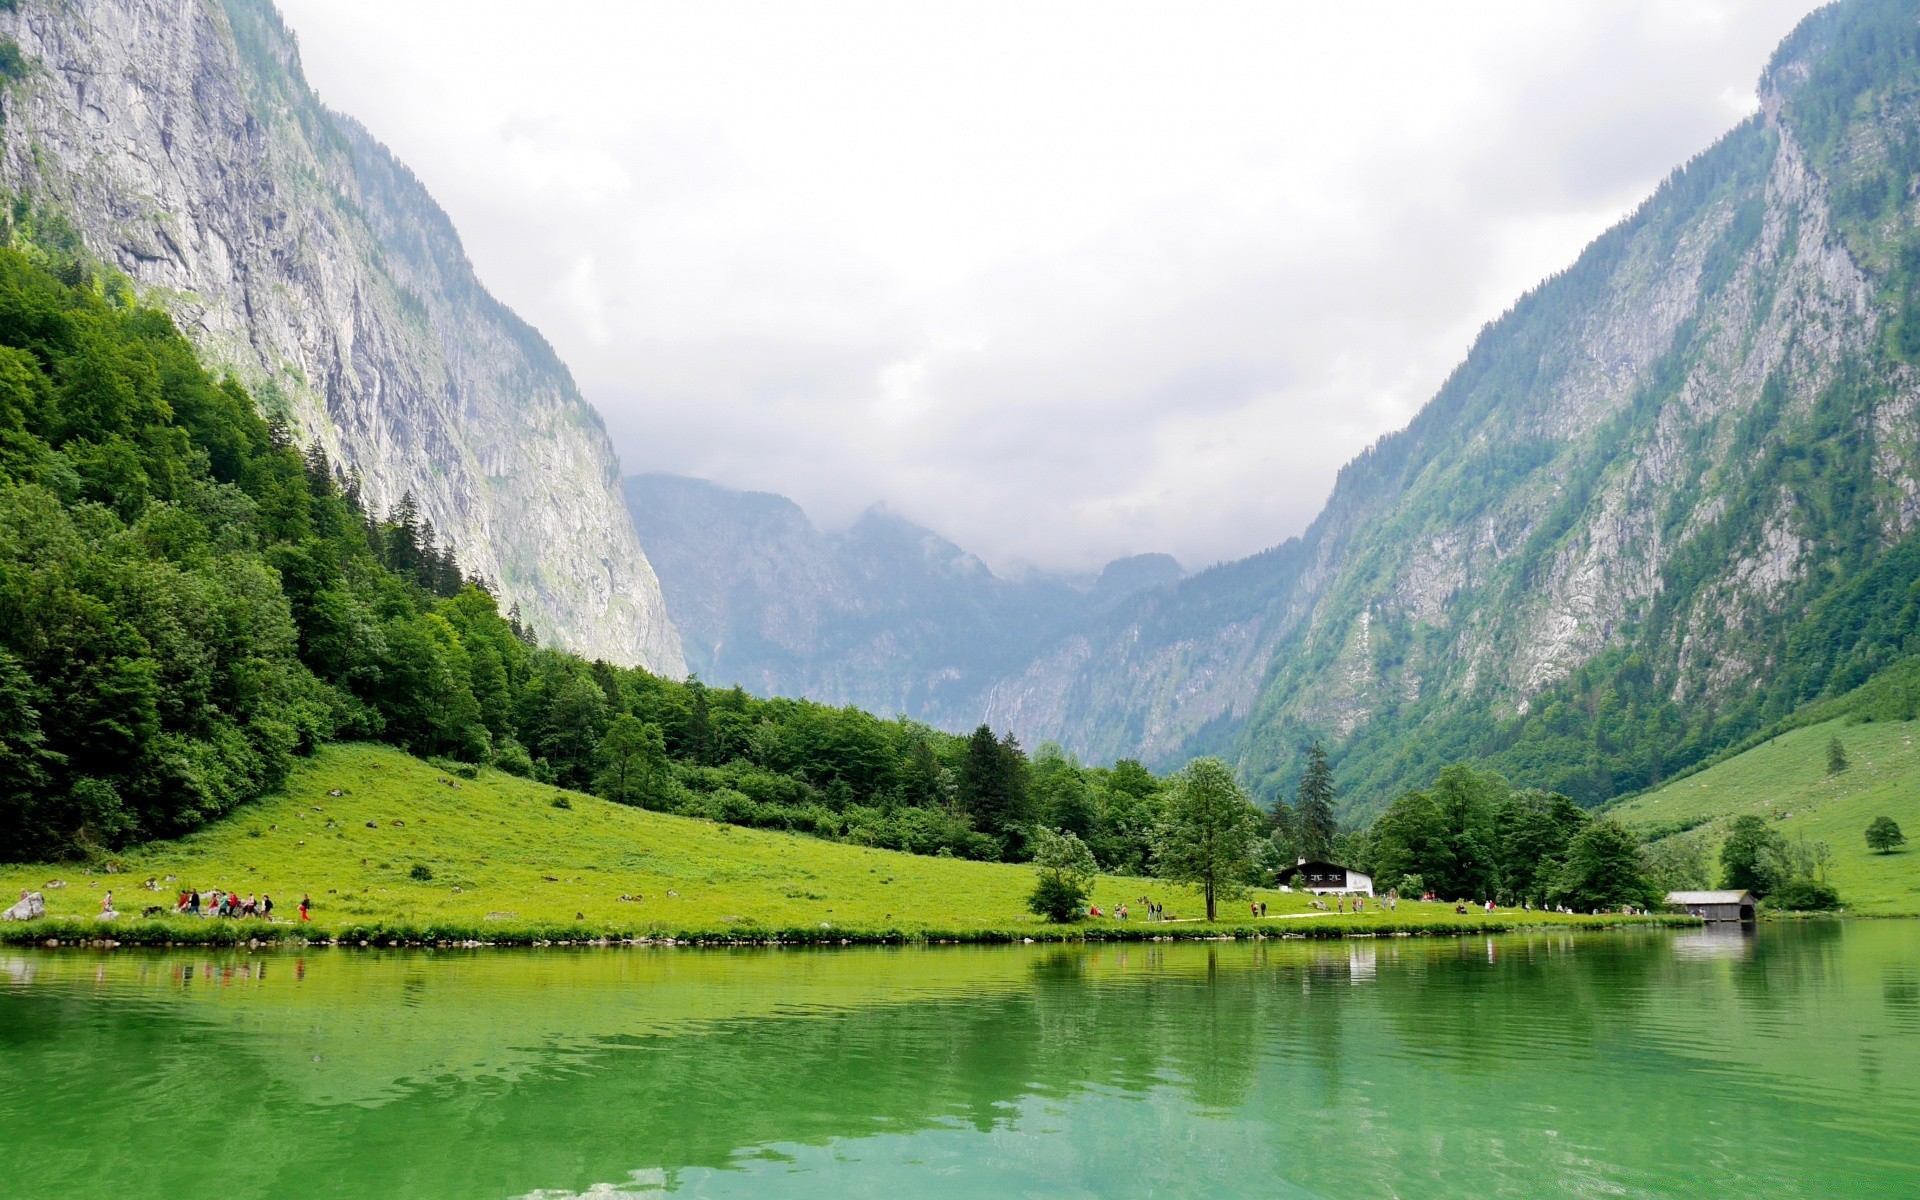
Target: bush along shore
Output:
[(188, 931)]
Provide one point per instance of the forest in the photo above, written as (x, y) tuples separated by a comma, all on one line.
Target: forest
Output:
[(188, 600)]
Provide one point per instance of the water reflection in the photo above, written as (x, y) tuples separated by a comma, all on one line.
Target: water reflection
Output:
[(1722, 941), (1521, 1065)]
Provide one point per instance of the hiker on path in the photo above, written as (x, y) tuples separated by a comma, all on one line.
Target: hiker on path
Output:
[(305, 904), (266, 906)]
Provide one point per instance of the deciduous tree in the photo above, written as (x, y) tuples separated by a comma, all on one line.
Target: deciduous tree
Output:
[(1207, 839)]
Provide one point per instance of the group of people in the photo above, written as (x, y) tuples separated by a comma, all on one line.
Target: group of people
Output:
[(220, 903)]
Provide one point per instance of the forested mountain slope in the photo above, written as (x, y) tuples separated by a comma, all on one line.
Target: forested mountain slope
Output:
[(1666, 499), (178, 141), (887, 615)]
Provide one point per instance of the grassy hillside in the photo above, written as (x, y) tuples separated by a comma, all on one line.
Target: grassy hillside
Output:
[(506, 863), (1785, 780)]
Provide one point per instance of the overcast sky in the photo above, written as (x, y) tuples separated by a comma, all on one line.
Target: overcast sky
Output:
[(1062, 281)]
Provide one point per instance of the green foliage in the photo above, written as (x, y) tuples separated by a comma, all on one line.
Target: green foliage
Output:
[(1753, 858), (14, 64), (1066, 872), (1057, 899), (1884, 836), (1604, 870), (1802, 894), (993, 788), (1208, 837), (1836, 756), (420, 873), (1678, 864), (633, 763), (1470, 836), (1313, 807)]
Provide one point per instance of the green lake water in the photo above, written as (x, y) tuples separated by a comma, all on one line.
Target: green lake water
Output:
[(1771, 1064)]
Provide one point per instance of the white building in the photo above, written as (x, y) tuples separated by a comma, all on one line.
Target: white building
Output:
[(1327, 879)]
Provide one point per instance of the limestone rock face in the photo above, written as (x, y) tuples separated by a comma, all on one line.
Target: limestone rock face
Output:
[(180, 140), (1658, 466)]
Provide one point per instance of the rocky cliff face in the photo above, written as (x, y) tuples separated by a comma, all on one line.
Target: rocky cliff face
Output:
[(181, 142), (1607, 544), (887, 615)]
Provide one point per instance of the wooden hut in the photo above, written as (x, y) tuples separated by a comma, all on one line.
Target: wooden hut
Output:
[(1714, 906), (1325, 878)]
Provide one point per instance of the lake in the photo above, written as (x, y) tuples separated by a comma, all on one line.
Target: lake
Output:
[(1642, 1063)]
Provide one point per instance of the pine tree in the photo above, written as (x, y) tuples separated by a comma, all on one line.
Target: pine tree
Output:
[(1313, 806)]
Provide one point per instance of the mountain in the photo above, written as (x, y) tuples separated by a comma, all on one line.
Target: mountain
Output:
[(178, 142), (1669, 497), (888, 615)]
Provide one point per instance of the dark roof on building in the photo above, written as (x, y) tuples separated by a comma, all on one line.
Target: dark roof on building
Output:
[(1316, 867)]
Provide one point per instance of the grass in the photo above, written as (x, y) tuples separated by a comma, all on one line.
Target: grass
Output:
[(504, 863), (1785, 780)]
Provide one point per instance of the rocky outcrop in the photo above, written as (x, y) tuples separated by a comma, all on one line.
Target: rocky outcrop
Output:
[(31, 907), (180, 141)]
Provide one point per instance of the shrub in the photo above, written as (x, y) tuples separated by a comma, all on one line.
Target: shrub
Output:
[(1057, 897), (510, 756), (1805, 895), (420, 872), (562, 802)]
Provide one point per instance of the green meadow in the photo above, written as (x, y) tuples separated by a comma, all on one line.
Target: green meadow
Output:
[(408, 851), (1785, 780)]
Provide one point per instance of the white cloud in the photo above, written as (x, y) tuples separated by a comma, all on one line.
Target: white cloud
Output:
[(1063, 281)]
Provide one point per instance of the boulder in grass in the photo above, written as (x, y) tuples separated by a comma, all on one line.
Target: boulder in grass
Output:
[(32, 907)]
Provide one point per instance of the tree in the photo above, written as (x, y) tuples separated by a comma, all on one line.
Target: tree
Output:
[(1284, 831), (633, 763), (1207, 838), (1884, 836), (1836, 756), (1753, 859), (1066, 871), (1604, 869), (1467, 801), (1410, 840), (1532, 831), (1313, 804), (1678, 864), (993, 787)]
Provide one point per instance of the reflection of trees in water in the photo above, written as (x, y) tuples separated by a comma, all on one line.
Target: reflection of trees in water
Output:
[(1326, 1056), (1470, 1003)]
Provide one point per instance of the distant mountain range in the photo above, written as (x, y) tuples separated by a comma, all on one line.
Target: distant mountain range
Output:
[(888, 615)]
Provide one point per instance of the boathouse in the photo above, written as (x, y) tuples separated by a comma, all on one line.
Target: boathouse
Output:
[(1326, 879), (1714, 906)]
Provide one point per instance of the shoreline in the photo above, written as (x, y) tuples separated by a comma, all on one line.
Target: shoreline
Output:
[(165, 934)]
